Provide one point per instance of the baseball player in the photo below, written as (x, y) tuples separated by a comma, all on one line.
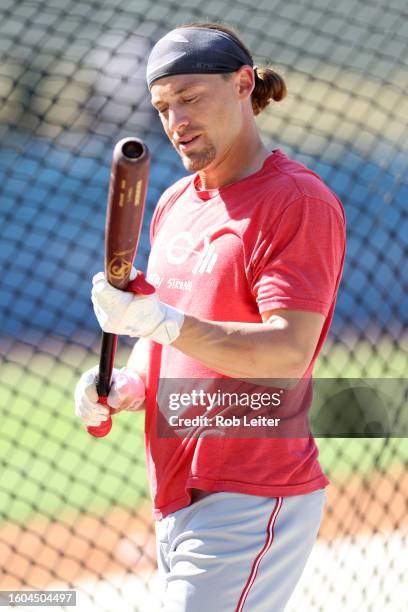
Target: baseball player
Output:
[(246, 258)]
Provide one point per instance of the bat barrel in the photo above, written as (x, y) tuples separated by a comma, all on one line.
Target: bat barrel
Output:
[(130, 169)]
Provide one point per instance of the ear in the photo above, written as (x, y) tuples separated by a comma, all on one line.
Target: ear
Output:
[(244, 82)]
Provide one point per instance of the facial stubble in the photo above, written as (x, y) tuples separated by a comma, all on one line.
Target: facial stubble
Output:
[(198, 160)]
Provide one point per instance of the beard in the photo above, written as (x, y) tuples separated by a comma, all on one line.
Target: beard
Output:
[(194, 161)]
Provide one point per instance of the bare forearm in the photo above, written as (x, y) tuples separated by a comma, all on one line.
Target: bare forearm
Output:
[(242, 350)]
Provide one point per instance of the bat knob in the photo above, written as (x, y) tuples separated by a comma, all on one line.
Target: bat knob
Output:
[(140, 285), (99, 431)]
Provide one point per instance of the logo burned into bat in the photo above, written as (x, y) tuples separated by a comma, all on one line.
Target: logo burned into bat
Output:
[(119, 266)]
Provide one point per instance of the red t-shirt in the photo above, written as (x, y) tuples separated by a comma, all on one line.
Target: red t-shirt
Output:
[(274, 239)]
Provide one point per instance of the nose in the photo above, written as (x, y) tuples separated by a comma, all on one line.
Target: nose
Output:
[(177, 119)]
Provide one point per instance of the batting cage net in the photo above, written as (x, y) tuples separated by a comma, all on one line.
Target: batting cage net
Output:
[(75, 511)]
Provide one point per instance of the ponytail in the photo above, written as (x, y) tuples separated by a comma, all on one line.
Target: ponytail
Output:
[(269, 85)]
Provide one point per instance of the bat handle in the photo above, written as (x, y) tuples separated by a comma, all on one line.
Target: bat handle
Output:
[(103, 383), (108, 349)]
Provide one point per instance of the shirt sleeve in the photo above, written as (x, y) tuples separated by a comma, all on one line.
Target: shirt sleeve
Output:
[(297, 264)]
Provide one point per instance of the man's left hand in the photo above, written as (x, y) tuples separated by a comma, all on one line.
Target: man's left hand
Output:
[(127, 314)]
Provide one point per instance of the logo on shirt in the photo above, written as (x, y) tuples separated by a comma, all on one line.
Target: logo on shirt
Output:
[(181, 246)]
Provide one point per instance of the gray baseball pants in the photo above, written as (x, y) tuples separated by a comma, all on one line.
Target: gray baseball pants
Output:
[(230, 552)]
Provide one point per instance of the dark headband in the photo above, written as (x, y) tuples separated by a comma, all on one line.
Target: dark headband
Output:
[(195, 51)]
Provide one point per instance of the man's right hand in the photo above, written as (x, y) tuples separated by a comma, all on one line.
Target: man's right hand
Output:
[(127, 392)]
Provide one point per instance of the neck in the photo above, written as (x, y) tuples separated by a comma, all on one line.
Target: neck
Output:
[(245, 156)]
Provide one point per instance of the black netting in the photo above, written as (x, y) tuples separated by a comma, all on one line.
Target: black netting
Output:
[(75, 511)]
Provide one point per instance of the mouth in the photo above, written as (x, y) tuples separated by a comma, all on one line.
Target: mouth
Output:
[(185, 144)]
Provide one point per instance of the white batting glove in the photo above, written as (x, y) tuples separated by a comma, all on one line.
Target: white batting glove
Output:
[(127, 314), (126, 393)]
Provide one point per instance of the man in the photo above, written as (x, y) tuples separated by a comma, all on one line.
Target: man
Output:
[(246, 259)]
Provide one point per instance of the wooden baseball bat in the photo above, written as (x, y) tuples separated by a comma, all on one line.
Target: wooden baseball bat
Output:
[(124, 218)]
